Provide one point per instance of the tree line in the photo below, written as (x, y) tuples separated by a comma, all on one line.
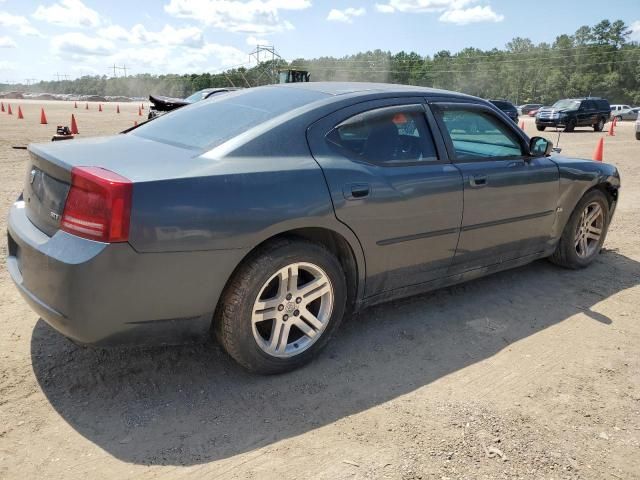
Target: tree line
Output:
[(597, 60)]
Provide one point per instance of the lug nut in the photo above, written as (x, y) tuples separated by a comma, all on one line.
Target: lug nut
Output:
[(298, 300), (289, 296), (285, 318), (280, 308), (296, 313)]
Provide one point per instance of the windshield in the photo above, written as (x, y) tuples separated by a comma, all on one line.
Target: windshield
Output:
[(567, 105), (196, 97), (502, 105), (209, 123)]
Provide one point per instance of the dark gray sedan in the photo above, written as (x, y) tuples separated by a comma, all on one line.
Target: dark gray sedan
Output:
[(267, 215)]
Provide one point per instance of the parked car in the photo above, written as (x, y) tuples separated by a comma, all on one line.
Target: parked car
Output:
[(275, 211), (575, 112), (617, 108), (628, 114), (508, 108), (527, 108), (161, 105)]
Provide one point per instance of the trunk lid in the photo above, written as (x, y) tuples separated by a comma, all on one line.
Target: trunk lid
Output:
[(48, 176)]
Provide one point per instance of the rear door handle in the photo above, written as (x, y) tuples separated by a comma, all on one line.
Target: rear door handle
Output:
[(353, 191), (478, 181)]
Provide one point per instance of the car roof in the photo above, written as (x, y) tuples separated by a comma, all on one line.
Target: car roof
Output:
[(364, 88)]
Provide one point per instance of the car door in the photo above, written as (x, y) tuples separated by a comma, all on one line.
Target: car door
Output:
[(510, 198), (391, 182), (587, 113)]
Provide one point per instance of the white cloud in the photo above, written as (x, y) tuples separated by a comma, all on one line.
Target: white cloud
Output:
[(6, 66), (459, 12), (256, 17), (421, 6), (76, 45), (345, 15), (7, 42), (162, 59), (471, 15), (635, 31), (253, 41), (68, 13), (187, 36), (18, 24)]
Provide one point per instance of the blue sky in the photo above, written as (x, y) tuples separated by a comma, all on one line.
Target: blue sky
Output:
[(39, 39)]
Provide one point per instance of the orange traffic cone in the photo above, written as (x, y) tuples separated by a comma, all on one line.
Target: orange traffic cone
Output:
[(522, 125), (86, 107), (117, 108), (611, 127), (599, 151), (75, 104), (139, 112), (74, 125), (9, 109), (1, 106), (20, 117), (615, 121), (99, 107), (43, 117)]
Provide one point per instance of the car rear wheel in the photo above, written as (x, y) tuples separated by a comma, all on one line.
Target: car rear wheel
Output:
[(584, 233), (637, 135), (282, 306), (599, 126), (570, 126), (540, 128)]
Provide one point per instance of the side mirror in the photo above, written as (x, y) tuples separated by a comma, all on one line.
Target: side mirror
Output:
[(540, 147)]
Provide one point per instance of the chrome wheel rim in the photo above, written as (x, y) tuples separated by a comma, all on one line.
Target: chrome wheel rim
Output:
[(589, 230), (292, 310)]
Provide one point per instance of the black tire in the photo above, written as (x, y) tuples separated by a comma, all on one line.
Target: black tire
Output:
[(233, 324), (540, 128), (565, 254), (637, 135), (570, 126), (598, 127)]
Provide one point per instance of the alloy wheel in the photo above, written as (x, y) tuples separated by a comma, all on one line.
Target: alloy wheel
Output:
[(589, 230), (292, 309)]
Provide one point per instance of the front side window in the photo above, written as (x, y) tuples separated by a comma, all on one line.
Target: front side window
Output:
[(385, 136), (478, 134)]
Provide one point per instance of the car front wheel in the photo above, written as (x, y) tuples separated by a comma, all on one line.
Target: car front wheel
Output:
[(584, 233), (540, 128), (570, 126), (282, 306)]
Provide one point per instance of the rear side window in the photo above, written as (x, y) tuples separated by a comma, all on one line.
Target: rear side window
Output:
[(478, 134), (385, 136), (209, 123)]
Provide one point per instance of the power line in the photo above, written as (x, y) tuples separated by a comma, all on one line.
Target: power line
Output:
[(371, 70)]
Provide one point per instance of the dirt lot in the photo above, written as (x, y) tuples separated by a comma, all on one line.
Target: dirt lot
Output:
[(532, 373)]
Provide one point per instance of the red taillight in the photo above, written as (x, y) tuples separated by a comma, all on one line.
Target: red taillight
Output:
[(98, 205)]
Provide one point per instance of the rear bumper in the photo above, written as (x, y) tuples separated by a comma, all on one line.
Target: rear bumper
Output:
[(98, 293)]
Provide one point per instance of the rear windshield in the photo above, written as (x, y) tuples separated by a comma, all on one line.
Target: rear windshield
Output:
[(502, 105), (211, 122)]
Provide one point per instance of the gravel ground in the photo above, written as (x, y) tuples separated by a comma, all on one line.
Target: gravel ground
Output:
[(531, 373)]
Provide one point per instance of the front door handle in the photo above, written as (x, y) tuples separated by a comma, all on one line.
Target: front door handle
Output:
[(353, 191), (478, 181)]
